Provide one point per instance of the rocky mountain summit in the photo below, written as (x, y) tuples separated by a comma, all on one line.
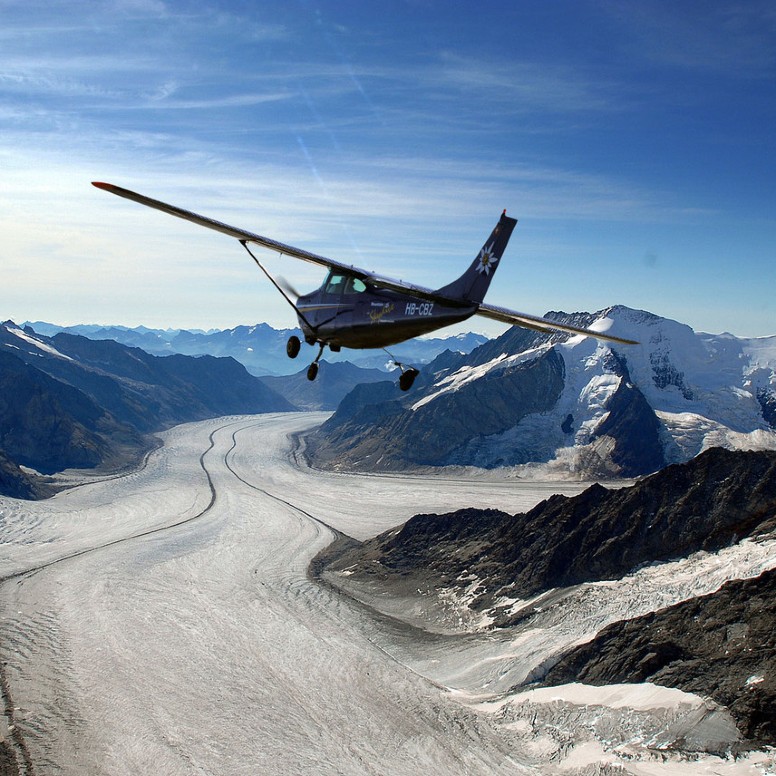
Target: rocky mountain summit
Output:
[(568, 405)]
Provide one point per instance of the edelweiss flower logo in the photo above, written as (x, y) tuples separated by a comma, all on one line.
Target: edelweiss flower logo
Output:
[(486, 260)]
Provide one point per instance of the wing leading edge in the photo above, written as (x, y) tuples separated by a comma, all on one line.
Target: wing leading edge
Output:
[(500, 314), (231, 231)]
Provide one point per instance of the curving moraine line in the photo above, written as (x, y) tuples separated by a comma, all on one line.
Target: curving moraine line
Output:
[(19, 748)]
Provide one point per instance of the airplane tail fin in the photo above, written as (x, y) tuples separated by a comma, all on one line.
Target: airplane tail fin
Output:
[(473, 284)]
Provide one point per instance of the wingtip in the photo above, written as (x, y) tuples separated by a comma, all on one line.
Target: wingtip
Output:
[(101, 185)]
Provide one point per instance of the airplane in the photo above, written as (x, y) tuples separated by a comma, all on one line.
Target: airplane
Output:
[(358, 309)]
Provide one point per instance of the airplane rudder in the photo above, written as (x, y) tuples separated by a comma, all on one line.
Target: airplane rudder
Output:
[(474, 282)]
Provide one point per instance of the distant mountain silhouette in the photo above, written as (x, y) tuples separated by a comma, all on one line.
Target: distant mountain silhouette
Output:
[(259, 348)]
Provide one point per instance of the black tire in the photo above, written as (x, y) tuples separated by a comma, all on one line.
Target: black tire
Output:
[(407, 379), (292, 347), (312, 371)]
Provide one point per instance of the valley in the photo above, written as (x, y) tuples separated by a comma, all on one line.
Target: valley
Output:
[(164, 621)]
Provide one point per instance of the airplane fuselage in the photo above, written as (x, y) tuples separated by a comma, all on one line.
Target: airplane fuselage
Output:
[(346, 312)]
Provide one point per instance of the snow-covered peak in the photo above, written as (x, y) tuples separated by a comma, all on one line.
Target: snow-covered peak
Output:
[(30, 339)]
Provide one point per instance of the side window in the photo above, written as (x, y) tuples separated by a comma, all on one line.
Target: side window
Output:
[(355, 286)]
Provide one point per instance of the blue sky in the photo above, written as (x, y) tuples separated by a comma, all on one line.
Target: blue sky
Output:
[(634, 141)]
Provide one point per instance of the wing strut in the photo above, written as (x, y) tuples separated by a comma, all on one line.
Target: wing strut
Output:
[(275, 283)]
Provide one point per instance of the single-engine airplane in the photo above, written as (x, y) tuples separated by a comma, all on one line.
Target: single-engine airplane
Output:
[(359, 309)]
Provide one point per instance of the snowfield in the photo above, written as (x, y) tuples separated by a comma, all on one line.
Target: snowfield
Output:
[(163, 622)]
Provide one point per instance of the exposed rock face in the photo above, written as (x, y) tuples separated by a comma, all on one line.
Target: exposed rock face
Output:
[(430, 434), (633, 425), (49, 426), (721, 645), (714, 500), (16, 483)]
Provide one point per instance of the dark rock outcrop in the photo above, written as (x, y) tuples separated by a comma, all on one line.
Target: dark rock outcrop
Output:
[(16, 483), (634, 426), (716, 499), (721, 645)]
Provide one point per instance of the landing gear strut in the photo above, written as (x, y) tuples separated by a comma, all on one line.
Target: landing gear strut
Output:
[(408, 373)]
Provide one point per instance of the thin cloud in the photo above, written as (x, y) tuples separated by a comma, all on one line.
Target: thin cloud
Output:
[(525, 85)]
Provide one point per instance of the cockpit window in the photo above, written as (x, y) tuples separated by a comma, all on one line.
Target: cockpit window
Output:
[(335, 284)]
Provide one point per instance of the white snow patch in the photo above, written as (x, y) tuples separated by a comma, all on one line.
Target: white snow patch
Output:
[(44, 346)]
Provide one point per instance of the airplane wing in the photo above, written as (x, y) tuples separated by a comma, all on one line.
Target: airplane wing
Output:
[(488, 311), (544, 324), (232, 231), (287, 250)]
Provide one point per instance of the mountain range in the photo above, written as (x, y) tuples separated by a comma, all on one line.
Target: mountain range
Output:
[(569, 406), (259, 348), (67, 401)]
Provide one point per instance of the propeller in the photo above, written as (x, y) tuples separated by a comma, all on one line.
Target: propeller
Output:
[(287, 287)]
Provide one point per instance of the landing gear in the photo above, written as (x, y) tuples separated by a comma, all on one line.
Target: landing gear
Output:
[(408, 378), (292, 346), (408, 373), (312, 370)]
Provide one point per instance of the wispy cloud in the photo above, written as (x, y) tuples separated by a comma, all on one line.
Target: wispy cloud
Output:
[(525, 86), (385, 139)]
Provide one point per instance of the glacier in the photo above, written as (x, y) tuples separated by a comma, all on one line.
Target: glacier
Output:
[(163, 621)]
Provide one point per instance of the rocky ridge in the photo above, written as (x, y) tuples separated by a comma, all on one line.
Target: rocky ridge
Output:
[(721, 646), (508, 571)]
